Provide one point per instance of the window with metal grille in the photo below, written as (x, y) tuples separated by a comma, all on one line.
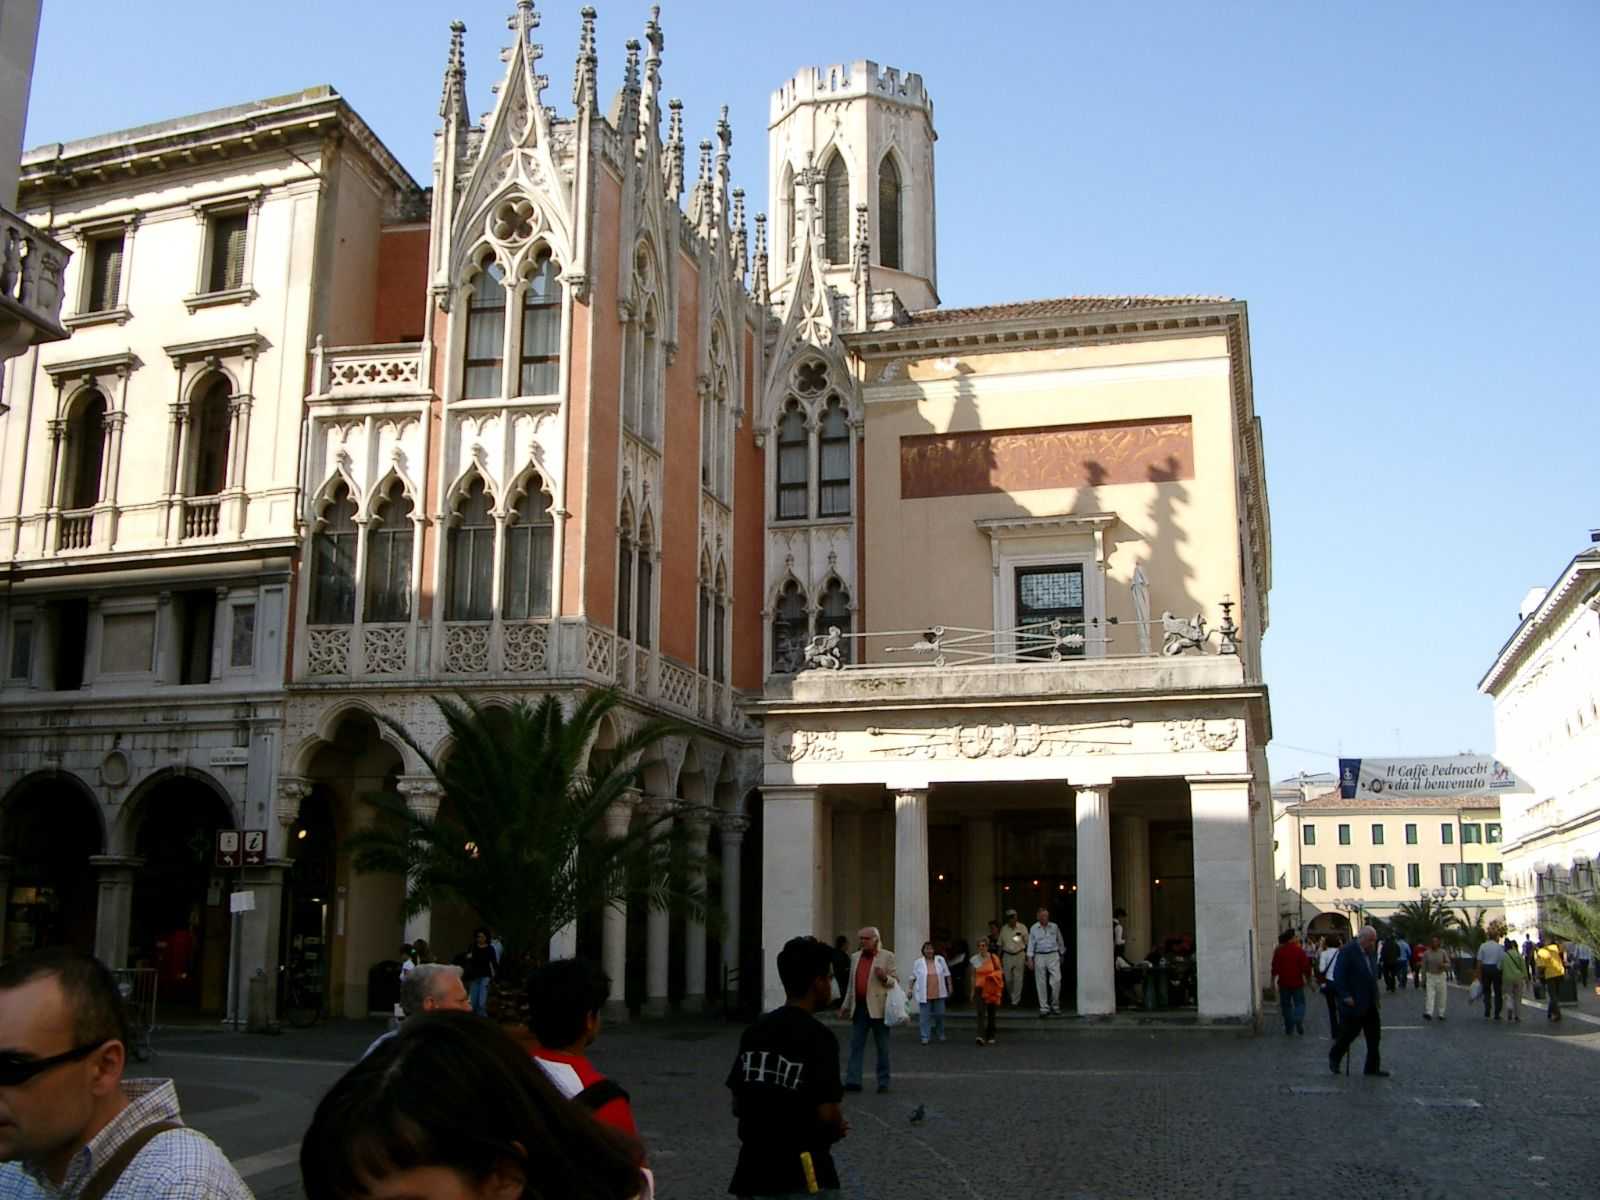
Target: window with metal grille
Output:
[(541, 333), (836, 212), (1046, 594), (229, 233), (789, 631), (389, 558), (483, 377), (212, 429), (834, 613), (333, 562), (471, 548), (85, 450), (530, 542), (889, 213), (792, 457), (833, 462), (105, 274)]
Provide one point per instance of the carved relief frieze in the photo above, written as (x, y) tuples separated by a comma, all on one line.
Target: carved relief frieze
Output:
[(1002, 740), (1201, 734)]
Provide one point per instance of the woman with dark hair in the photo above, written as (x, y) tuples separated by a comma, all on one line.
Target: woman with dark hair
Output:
[(481, 966), (451, 1109)]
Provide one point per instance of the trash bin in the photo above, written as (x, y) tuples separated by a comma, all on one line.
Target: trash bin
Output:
[(1567, 989), (383, 986)]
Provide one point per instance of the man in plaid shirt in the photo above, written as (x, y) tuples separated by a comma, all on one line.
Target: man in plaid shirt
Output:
[(70, 1126)]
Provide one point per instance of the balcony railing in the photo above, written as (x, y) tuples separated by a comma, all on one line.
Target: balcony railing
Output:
[(201, 516), (32, 264), (361, 372), (77, 529)]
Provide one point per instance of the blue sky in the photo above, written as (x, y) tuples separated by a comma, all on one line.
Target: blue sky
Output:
[(1404, 194)]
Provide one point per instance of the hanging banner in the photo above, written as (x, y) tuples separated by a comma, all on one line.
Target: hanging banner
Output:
[(1459, 775)]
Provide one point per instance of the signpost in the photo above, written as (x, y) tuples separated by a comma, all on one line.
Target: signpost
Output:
[(237, 849)]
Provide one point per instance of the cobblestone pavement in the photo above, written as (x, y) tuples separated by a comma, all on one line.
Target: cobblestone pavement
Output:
[(1083, 1113)]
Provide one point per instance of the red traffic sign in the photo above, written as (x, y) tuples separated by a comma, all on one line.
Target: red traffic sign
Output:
[(227, 848), (255, 847)]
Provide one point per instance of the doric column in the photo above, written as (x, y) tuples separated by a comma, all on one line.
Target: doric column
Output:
[(795, 845), (1096, 995), (614, 920), (910, 873), (977, 881), (1130, 879), (697, 827), (423, 796), (1223, 905), (115, 913), (658, 923), (733, 827)]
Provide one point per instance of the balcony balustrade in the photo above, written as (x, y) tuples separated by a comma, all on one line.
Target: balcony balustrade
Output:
[(32, 264), (201, 516), (368, 372), (76, 529)]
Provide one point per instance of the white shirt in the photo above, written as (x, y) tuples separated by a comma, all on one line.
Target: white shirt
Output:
[(564, 1076), (1045, 939), (1491, 953), (1325, 961), (919, 975)]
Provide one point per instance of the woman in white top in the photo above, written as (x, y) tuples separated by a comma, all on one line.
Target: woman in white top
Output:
[(931, 986), (1330, 951)]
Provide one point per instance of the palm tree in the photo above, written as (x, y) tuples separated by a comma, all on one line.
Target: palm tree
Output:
[(1573, 919), (1420, 921), (520, 805)]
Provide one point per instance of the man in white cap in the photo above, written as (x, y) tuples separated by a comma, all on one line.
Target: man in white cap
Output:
[(1013, 954)]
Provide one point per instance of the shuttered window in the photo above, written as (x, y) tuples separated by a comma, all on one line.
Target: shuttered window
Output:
[(105, 274), (228, 235)]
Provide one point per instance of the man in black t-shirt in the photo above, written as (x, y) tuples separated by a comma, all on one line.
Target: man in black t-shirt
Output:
[(786, 1087)]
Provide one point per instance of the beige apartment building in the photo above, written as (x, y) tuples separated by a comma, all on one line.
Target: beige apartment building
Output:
[(1341, 861)]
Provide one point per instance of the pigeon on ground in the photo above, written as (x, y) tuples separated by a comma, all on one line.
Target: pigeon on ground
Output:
[(918, 1114)]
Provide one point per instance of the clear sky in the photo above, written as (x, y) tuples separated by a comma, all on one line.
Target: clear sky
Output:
[(1405, 194)]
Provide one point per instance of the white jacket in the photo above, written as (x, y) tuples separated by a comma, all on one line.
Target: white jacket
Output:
[(919, 978)]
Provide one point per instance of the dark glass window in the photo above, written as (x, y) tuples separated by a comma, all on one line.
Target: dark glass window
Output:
[(333, 562), (789, 631), (105, 274), (530, 542), (228, 235), (212, 421), (705, 629), (72, 635), (889, 213), (486, 332), (471, 545), (541, 333), (719, 640), (836, 212), (624, 587), (389, 558), (835, 614), (644, 604), (21, 650), (792, 465), (833, 462), (197, 622), (85, 450), (1046, 594)]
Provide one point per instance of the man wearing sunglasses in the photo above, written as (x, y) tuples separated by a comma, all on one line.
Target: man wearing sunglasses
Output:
[(70, 1125)]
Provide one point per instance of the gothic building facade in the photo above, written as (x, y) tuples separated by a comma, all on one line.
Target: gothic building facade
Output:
[(565, 419)]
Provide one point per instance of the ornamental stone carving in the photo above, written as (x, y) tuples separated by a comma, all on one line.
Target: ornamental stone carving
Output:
[(328, 651), (423, 795), (466, 649), (790, 743), (383, 649), (292, 791), (525, 647), (1003, 740), (1198, 734)]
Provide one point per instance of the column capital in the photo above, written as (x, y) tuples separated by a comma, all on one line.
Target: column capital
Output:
[(423, 794), (292, 791), (910, 795), (108, 863), (785, 791), (696, 817), (733, 825), (1219, 781)]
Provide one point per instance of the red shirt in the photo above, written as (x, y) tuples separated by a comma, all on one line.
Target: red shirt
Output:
[(617, 1113), (1290, 965), (863, 974)]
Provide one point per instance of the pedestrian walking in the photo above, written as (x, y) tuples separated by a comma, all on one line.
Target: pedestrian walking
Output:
[(480, 968), (1490, 955), (1045, 945), (1514, 973), (1325, 964), (453, 1108), (872, 974), (841, 969), (1551, 971), (1389, 957), (1403, 960), (70, 1124), (1436, 977), (564, 1001), (1355, 976), (1585, 956), (1014, 955), (988, 988), (431, 987), (1417, 952), (1290, 967), (785, 1085), (930, 982)]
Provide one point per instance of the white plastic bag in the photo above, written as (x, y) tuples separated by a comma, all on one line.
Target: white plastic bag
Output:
[(894, 1006), (1475, 993)]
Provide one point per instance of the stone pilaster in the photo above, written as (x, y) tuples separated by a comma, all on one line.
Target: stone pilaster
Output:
[(795, 844), (1130, 879), (910, 873), (114, 916), (1223, 916), (1096, 993), (423, 797)]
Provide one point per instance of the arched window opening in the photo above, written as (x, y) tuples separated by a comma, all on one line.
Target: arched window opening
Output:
[(212, 422), (708, 437), (704, 628), (625, 577), (541, 333), (86, 451), (834, 613), (469, 595), (719, 635), (790, 203), (632, 356), (836, 212), (486, 336), (789, 630), (650, 380), (833, 462), (389, 557), (644, 594), (333, 562), (889, 213), (792, 458), (530, 543)]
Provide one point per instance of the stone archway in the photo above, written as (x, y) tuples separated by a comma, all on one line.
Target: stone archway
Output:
[(48, 894)]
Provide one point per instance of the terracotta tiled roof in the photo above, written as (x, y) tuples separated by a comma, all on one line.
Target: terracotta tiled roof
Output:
[(1332, 800), (1062, 306)]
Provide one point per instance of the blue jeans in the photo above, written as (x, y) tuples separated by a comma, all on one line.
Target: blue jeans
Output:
[(478, 994), (931, 1012), (859, 1025), (1292, 1002)]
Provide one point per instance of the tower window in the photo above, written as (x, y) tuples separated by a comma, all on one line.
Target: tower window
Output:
[(836, 212), (889, 214), (541, 333)]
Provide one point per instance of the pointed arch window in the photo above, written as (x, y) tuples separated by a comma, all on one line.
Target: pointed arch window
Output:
[(834, 613), (719, 634), (389, 539), (541, 333), (789, 630), (790, 203), (625, 578), (471, 547), (836, 212), (650, 379), (792, 461), (483, 377), (644, 592), (213, 417), (889, 213), (333, 562), (530, 544), (86, 450), (704, 658), (833, 461)]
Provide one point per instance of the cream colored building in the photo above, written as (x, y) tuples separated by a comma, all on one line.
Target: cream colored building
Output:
[(1545, 683), (1340, 861)]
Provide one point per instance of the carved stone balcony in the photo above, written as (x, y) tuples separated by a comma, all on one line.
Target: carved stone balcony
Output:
[(76, 529), (201, 516), (370, 372), (32, 264)]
